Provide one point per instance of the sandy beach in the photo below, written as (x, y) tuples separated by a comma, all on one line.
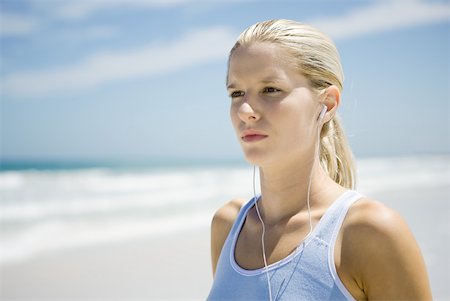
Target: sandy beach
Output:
[(175, 264), (174, 267)]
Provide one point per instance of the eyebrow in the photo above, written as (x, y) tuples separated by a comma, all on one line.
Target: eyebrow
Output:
[(267, 80)]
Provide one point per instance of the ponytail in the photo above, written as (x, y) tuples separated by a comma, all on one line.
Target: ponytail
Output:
[(336, 157)]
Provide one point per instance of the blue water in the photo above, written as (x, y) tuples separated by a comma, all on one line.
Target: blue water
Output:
[(160, 163), (55, 205)]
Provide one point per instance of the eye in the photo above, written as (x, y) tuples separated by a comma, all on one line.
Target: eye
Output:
[(270, 90), (236, 94)]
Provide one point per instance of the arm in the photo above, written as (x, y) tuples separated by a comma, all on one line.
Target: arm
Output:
[(220, 227), (382, 256)]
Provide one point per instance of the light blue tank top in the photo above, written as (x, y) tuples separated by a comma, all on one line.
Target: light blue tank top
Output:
[(308, 273)]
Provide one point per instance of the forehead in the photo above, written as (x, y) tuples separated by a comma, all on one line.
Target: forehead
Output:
[(260, 59)]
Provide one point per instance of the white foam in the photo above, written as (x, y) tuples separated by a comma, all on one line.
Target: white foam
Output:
[(97, 205), (39, 201), (46, 211), (53, 236), (11, 180), (384, 174), (52, 211)]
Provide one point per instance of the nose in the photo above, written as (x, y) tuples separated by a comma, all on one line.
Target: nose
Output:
[(247, 114)]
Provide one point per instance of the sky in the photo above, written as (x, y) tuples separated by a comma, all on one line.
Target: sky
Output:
[(135, 79)]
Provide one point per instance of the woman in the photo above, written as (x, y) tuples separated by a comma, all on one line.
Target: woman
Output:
[(308, 236)]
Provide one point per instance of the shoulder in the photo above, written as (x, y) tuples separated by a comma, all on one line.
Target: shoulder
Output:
[(368, 216), (370, 229), (221, 225), (384, 255), (226, 215), (374, 227), (224, 219)]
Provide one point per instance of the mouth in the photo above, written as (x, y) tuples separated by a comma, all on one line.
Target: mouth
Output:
[(252, 136)]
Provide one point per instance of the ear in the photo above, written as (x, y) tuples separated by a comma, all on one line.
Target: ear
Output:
[(331, 99)]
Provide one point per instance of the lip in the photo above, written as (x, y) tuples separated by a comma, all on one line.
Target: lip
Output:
[(251, 135)]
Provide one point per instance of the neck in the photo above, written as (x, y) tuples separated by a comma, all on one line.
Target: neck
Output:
[(284, 189)]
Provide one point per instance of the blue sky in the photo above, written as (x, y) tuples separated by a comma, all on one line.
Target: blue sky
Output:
[(134, 79)]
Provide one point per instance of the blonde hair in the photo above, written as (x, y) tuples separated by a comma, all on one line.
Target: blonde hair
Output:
[(317, 58)]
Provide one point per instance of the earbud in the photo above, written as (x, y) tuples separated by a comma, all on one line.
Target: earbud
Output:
[(322, 113)]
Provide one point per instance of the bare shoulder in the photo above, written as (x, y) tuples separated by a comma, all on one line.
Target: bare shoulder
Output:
[(226, 215), (221, 225), (385, 258), (376, 228), (368, 216)]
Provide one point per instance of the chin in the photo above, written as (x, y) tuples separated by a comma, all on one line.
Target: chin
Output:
[(263, 158), (256, 158)]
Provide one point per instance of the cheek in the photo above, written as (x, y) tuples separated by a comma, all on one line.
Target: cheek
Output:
[(301, 109), (234, 117), (297, 123)]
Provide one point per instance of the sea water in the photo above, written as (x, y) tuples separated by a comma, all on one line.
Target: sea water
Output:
[(52, 207)]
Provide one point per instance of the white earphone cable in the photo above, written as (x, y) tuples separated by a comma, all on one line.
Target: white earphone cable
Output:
[(262, 222), (262, 236)]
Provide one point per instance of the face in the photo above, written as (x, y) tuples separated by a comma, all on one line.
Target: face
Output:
[(273, 108)]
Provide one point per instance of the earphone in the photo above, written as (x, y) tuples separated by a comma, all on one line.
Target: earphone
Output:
[(269, 288)]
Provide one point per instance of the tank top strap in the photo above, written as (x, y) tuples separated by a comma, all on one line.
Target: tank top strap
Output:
[(331, 222), (242, 216)]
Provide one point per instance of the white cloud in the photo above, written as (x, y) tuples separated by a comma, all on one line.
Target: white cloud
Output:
[(82, 8), (193, 48), (201, 46), (383, 16), (74, 10), (16, 25)]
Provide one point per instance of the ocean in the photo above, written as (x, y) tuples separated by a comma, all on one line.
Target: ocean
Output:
[(61, 206), (50, 208), (55, 206)]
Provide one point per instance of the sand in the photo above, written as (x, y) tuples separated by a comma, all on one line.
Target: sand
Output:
[(177, 266)]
